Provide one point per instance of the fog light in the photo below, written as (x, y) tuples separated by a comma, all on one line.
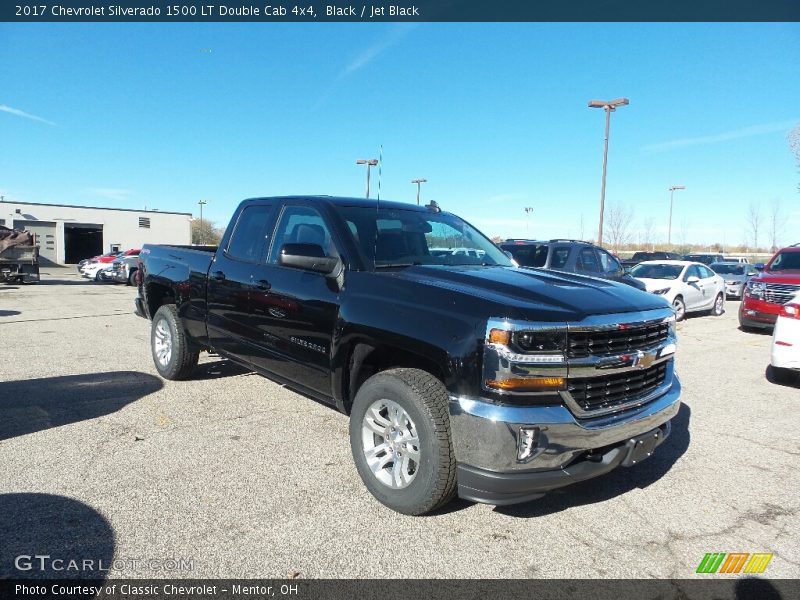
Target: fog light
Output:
[(527, 440)]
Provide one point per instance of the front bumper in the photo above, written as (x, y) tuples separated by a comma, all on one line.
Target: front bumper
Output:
[(485, 438), (757, 313)]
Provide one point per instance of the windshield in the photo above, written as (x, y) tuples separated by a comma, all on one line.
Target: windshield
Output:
[(785, 261), (725, 269), (656, 271), (411, 237)]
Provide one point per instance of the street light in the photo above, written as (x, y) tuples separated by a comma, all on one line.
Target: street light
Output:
[(371, 162), (671, 194), (202, 235), (609, 106), (528, 210), (419, 182)]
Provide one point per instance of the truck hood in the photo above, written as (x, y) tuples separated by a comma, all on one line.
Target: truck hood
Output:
[(536, 294), (790, 276)]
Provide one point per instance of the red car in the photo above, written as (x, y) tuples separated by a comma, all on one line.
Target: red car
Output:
[(766, 293)]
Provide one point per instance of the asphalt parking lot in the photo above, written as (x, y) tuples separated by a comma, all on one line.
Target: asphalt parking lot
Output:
[(102, 459)]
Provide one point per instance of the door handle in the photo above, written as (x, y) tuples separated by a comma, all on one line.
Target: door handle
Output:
[(263, 284), (219, 275)]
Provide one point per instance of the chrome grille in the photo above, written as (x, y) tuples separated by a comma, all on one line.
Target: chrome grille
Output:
[(598, 393), (581, 344), (780, 293)]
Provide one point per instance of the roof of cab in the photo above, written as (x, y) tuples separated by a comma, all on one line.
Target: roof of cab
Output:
[(345, 201)]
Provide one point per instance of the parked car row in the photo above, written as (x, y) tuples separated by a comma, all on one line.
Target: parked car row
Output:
[(119, 267)]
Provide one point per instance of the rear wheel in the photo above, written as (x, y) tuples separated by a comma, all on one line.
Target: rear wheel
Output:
[(400, 440), (679, 307), (173, 357)]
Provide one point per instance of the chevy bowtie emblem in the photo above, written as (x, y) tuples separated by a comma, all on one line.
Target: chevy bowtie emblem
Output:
[(644, 360)]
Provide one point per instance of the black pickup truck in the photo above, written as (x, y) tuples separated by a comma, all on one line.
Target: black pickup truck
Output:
[(461, 373)]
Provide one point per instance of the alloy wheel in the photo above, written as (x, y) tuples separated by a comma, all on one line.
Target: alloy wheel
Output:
[(391, 444)]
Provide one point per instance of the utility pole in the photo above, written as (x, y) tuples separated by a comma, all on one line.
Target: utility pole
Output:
[(201, 231), (671, 194), (370, 162), (609, 106), (419, 182)]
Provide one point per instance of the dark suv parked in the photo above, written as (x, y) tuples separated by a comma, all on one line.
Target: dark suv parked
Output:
[(572, 256), (639, 257)]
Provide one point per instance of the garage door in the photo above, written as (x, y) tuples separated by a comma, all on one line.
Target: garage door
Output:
[(45, 233)]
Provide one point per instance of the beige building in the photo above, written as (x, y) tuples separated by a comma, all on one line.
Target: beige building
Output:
[(68, 234)]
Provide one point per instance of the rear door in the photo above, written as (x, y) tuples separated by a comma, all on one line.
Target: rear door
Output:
[(230, 279), (293, 311)]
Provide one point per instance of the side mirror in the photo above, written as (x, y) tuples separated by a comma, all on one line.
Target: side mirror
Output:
[(309, 257), (627, 269), (692, 279), (759, 266)]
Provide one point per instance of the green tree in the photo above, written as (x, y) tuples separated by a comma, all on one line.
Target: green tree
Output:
[(205, 233)]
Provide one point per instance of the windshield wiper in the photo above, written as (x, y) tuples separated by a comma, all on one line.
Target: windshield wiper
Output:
[(391, 265)]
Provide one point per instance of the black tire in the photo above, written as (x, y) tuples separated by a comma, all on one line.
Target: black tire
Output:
[(97, 276), (424, 399), (182, 359), (719, 305), (132, 277), (677, 303)]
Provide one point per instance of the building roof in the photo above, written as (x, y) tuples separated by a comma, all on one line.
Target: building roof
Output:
[(163, 212)]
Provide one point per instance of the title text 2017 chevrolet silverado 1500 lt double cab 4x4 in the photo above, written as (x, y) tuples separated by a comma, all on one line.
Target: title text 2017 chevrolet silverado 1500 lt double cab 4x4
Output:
[(462, 374)]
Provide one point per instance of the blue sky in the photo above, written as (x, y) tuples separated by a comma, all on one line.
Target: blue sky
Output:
[(494, 116)]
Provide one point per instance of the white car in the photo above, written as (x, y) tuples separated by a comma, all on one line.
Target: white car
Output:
[(785, 358), (92, 270), (688, 286)]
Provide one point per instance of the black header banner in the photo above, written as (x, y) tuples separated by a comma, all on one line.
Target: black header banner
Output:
[(713, 588), (311, 11)]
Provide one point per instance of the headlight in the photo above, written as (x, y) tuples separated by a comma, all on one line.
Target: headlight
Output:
[(733, 282), (661, 292), (755, 289), (540, 341)]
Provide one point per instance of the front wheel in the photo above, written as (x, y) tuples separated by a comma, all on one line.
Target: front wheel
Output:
[(400, 440), (173, 357), (679, 307), (132, 277), (719, 305)]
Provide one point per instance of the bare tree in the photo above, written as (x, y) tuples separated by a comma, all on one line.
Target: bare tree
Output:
[(648, 231), (794, 144), (683, 235), (619, 224), (777, 221), (582, 232), (753, 221)]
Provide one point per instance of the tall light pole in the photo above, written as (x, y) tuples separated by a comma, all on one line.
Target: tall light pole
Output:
[(671, 194), (609, 106), (528, 210), (370, 162), (201, 231), (419, 182)]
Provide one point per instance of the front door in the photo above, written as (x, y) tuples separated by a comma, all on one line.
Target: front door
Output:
[(693, 292), (293, 311)]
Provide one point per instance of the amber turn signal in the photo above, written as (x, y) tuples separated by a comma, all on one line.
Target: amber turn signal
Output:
[(529, 384), (499, 336)]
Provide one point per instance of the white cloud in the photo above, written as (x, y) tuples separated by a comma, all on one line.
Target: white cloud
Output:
[(745, 132), (21, 113), (394, 35), (114, 194)]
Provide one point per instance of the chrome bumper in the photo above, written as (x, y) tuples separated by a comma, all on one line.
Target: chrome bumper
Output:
[(485, 434)]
